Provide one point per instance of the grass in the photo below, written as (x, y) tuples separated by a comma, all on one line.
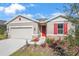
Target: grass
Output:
[(28, 54), (2, 36)]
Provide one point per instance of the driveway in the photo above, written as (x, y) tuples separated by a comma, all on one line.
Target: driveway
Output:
[(8, 46)]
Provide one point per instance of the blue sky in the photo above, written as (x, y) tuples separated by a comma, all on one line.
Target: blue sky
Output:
[(32, 10)]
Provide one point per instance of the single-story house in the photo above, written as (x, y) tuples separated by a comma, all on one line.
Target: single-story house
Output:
[(21, 27)]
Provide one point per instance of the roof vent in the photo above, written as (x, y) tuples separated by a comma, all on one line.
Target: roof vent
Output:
[(20, 19)]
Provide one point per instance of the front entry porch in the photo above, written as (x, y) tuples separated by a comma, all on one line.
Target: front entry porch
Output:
[(42, 30), (41, 37)]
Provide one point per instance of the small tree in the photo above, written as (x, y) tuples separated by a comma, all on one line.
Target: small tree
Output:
[(77, 33), (70, 38), (77, 37)]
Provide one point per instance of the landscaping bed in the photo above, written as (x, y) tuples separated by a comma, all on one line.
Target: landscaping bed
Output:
[(66, 47), (35, 51), (38, 50)]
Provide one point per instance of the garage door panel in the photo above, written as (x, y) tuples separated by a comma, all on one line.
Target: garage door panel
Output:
[(21, 32), (20, 27)]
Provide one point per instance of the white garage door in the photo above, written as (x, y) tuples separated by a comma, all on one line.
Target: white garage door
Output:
[(21, 32)]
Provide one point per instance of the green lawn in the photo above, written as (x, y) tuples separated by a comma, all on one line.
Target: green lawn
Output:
[(29, 54), (2, 36)]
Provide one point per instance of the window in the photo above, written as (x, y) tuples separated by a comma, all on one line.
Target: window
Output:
[(60, 29)]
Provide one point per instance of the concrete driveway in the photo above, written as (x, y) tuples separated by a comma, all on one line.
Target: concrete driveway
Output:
[(8, 46)]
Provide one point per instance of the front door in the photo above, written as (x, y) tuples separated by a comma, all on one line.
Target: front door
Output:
[(43, 31)]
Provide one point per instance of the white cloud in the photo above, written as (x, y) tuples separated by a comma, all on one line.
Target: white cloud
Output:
[(38, 15), (57, 14), (28, 15), (53, 15), (31, 5), (13, 8), (1, 8)]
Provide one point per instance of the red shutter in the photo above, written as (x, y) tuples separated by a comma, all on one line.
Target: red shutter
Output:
[(65, 28), (55, 28)]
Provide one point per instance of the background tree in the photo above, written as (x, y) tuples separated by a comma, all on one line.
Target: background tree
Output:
[(2, 29)]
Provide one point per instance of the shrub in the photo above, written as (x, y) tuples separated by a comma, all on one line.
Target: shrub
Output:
[(48, 41), (77, 37), (43, 45), (71, 42), (35, 45), (62, 42), (77, 33), (77, 42)]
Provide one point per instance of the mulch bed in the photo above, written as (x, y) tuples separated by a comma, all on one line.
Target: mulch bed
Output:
[(37, 50), (32, 50)]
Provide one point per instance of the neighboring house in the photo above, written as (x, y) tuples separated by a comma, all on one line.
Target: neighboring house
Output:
[(22, 27)]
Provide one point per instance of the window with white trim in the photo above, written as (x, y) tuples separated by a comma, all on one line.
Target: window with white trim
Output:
[(60, 28)]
